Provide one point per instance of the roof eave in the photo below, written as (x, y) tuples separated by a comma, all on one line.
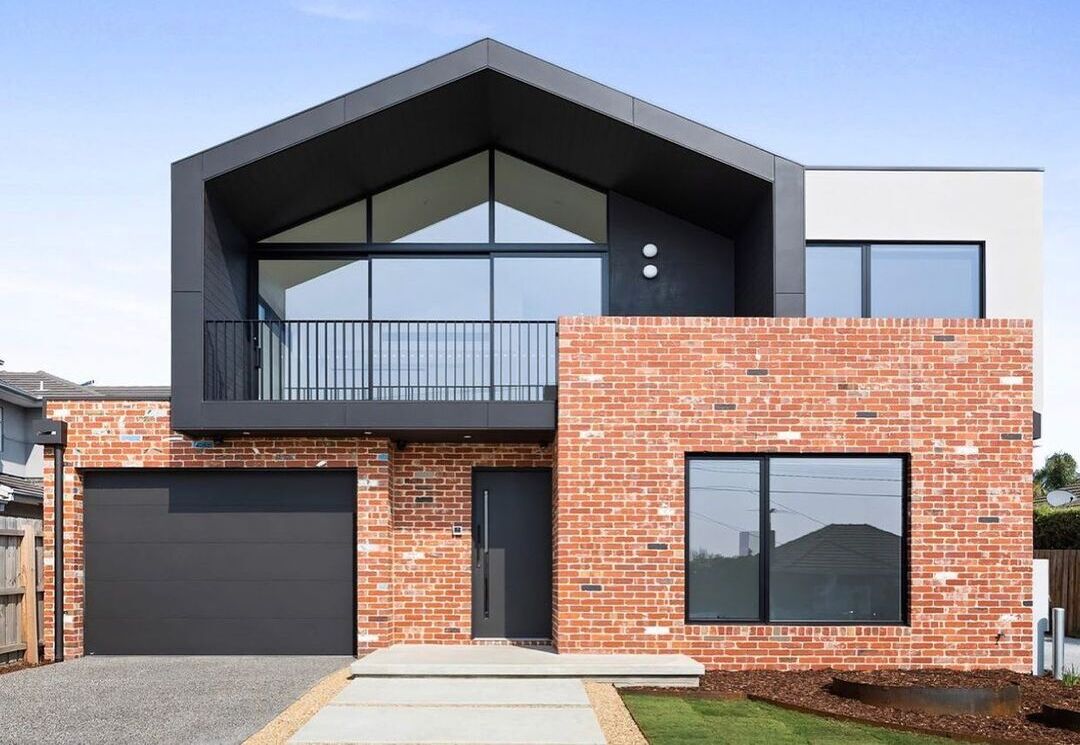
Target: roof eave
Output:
[(486, 54)]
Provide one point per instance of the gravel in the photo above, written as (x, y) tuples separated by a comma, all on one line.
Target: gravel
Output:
[(616, 723), (153, 699), (288, 723)]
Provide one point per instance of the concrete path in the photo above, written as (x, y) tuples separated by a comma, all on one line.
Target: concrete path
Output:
[(495, 660), (456, 711), (171, 700)]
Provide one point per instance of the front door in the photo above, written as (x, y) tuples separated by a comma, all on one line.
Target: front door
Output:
[(511, 558)]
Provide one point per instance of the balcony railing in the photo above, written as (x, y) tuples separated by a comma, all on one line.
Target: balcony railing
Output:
[(380, 360)]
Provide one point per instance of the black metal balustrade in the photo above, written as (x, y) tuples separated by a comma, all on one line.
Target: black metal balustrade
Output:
[(380, 360)]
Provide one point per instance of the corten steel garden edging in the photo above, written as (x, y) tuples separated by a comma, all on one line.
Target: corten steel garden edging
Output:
[(999, 701), (1061, 717)]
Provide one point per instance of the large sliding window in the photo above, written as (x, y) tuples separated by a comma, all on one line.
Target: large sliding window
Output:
[(835, 548), (443, 287), (894, 280)]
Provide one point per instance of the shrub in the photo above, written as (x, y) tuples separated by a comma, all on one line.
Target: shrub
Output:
[(1057, 528)]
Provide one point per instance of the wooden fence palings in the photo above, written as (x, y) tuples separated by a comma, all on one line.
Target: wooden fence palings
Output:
[(21, 589), (1065, 585)]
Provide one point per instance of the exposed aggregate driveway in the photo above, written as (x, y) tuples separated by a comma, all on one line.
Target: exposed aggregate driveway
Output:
[(153, 699)]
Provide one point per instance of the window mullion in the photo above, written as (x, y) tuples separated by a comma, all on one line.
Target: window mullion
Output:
[(866, 279), (765, 541), (491, 196)]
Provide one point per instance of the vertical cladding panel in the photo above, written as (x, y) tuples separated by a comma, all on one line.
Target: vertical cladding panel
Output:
[(636, 395)]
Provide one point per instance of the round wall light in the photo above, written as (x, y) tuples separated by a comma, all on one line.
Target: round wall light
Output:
[(649, 250), (650, 271)]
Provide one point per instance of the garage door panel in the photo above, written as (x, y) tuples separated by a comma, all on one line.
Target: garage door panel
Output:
[(155, 523), (220, 562), (205, 599), (220, 636)]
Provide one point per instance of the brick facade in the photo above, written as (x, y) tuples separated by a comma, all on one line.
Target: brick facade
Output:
[(637, 394), (413, 575)]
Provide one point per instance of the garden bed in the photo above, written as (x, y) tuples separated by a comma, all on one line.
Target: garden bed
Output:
[(810, 691)]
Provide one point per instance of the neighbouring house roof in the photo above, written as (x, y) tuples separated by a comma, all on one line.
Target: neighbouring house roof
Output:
[(840, 549), (1073, 488), (26, 490), (42, 385)]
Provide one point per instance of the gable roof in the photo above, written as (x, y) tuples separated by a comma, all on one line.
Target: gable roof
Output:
[(41, 385), (485, 54)]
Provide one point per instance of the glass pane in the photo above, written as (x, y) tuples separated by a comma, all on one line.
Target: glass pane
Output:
[(533, 205), (725, 540), (436, 289), (346, 225), (837, 544), (422, 360), (924, 281), (449, 205), (303, 361), (540, 288), (833, 281), (313, 289)]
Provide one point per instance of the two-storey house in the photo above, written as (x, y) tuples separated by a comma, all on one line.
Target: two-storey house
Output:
[(490, 351)]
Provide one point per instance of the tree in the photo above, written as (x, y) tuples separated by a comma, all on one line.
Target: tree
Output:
[(1058, 471)]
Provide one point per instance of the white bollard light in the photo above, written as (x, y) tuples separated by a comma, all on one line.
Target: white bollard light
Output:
[(1058, 622)]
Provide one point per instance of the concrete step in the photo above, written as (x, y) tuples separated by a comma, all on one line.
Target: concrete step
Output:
[(438, 661), (462, 692), (459, 725)]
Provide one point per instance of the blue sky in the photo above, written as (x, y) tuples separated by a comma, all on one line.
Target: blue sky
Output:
[(96, 99)]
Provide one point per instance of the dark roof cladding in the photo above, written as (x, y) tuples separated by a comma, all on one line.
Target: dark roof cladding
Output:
[(41, 384)]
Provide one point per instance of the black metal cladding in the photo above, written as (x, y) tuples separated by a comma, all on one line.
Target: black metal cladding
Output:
[(484, 95)]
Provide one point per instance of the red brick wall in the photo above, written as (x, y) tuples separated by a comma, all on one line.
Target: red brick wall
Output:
[(413, 576), (136, 434), (637, 394), (432, 490)]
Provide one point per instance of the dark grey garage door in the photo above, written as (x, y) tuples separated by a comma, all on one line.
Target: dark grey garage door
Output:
[(219, 562)]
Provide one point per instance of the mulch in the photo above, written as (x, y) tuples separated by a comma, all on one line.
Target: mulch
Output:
[(12, 667), (809, 691)]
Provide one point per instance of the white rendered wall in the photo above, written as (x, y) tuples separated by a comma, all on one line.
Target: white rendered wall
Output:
[(1003, 209)]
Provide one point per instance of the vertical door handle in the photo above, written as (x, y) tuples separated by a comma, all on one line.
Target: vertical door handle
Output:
[(487, 559)]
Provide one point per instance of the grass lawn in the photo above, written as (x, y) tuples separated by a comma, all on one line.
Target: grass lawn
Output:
[(668, 720)]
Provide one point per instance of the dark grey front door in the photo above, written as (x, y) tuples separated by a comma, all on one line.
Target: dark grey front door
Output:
[(511, 559)]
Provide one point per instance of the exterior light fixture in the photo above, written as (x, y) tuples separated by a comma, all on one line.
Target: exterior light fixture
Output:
[(649, 250), (650, 271)]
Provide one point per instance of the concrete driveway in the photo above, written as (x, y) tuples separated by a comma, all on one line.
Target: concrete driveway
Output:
[(153, 699)]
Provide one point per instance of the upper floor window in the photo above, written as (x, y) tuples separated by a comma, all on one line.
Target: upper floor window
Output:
[(490, 197), (894, 280)]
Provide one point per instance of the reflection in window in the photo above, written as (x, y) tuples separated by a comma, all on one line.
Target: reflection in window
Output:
[(449, 205), (924, 281), (542, 288), (834, 281), (835, 552), (836, 526), (534, 205), (345, 225), (725, 539), (905, 280), (313, 289), (436, 289)]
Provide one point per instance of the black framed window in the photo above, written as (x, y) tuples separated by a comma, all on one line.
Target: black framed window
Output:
[(836, 547), (895, 280)]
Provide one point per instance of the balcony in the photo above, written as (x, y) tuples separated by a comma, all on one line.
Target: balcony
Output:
[(435, 362)]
